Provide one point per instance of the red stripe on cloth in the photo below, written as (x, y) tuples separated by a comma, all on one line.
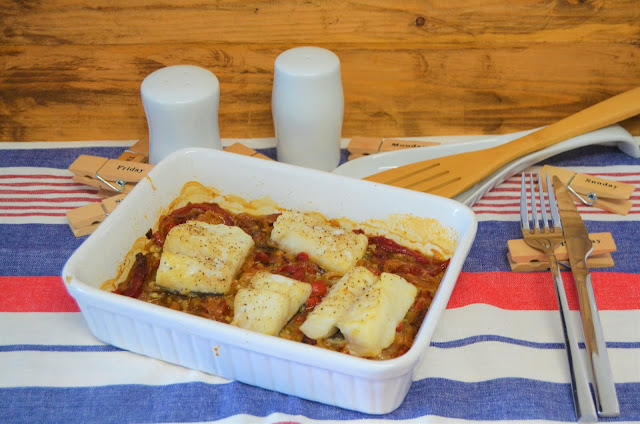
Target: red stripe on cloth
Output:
[(32, 207), (49, 200), (50, 191), (28, 214), (535, 290), (591, 211), (35, 294), (506, 290), (46, 176), (40, 183)]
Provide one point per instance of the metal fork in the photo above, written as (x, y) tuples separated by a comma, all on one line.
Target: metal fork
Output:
[(546, 238)]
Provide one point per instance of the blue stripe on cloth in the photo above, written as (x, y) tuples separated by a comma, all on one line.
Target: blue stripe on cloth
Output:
[(451, 344), (58, 348), (53, 158), (528, 399), (489, 250), (35, 249), (63, 157), (526, 343), (591, 156), (31, 254)]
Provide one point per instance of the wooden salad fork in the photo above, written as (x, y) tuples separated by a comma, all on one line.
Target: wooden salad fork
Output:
[(451, 175), (546, 238)]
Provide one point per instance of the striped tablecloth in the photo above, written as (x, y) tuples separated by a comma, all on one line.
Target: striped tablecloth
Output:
[(497, 354)]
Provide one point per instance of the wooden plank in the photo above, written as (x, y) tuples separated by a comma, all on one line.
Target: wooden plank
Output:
[(74, 22), (84, 93)]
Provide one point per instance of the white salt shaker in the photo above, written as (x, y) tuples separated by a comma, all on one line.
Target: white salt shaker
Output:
[(308, 105), (181, 104)]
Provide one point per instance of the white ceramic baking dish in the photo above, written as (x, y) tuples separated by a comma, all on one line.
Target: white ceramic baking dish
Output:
[(293, 368)]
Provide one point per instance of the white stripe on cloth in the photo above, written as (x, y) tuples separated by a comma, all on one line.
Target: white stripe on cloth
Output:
[(471, 363), (492, 360), (30, 195), (33, 342), (280, 418), (533, 326), (55, 328)]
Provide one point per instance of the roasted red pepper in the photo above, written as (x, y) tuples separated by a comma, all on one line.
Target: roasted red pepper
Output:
[(312, 302), (297, 272), (318, 288), (262, 257), (185, 213), (136, 278), (393, 247)]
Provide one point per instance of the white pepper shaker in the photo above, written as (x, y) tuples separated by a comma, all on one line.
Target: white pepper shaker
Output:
[(308, 104), (181, 105)]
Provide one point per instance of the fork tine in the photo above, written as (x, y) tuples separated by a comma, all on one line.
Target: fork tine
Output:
[(524, 211), (543, 204), (534, 204), (553, 205)]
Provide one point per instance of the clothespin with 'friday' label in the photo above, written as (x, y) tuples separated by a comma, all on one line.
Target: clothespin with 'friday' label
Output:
[(111, 174), (85, 219)]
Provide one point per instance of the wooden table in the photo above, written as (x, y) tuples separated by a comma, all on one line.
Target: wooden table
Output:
[(72, 70)]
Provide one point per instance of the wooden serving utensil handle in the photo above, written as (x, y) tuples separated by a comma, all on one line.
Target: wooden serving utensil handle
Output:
[(607, 112)]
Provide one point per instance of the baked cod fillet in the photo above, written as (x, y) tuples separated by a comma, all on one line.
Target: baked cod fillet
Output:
[(370, 325), (269, 302), (333, 248), (321, 322), (202, 258)]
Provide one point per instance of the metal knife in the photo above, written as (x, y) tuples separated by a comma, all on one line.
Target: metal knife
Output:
[(579, 247)]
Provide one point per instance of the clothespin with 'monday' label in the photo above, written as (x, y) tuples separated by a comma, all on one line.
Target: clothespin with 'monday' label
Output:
[(362, 146)]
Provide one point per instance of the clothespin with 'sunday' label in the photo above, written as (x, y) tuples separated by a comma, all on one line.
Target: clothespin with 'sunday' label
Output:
[(609, 195)]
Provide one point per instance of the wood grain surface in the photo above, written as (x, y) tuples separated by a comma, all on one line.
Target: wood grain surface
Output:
[(71, 69)]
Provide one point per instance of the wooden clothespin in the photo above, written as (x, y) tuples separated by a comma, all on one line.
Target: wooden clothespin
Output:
[(241, 149), (114, 177), (609, 195), (85, 219), (130, 168), (110, 174), (139, 152), (362, 146), (524, 258)]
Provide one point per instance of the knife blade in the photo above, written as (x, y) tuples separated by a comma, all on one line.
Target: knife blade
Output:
[(579, 247)]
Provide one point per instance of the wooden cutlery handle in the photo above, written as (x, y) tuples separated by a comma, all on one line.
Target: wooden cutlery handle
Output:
[(607, 112)]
